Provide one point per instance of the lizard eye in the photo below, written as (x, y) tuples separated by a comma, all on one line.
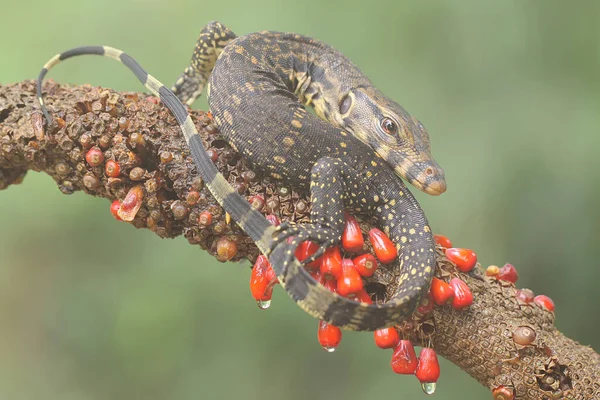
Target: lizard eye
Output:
[(345, 104), (389, 126)]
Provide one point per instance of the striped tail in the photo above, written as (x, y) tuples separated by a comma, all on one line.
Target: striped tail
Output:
[(250, 220), (311, 296)]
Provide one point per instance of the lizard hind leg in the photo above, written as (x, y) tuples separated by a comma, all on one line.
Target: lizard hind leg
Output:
[(211, 42)]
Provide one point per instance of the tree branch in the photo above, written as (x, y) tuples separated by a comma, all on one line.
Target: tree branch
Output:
[(157, 176)]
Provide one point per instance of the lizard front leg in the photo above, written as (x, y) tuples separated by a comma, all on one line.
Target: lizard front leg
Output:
[(334, 186), (211, 42)]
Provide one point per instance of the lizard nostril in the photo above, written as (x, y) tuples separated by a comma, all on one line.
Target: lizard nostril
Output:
[(429, 171)]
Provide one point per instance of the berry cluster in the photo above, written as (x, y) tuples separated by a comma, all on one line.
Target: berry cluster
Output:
[(343, 269), (508, 273)]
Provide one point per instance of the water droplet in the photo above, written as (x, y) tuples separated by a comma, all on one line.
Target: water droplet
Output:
[(329, 349), (428, 387), (263, 304)]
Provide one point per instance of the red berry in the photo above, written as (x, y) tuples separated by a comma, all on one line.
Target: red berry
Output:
[(257, 202), (131, 204), (426, 304), (212, 153), (316, 274), (463, 297), (525, 295), (305, 250), (363, 297), (114, 209), (330, 284), (205, 218), (384, 249), (508, 273), (386, 338), (404, 359), (329, 336), (544, 301), (112, 169), (442, 241), (271, 275), (428, 369), (94, 156), (350, 282), (366, 264), (272, 218), (262, 279), (331, 263), (503, 393), (352, 238), (464, 259), (441, 291)]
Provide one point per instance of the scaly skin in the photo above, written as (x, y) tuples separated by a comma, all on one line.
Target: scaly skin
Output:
[(255, 100), (323, 78)]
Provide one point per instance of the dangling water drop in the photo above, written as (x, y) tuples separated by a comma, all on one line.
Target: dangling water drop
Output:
[(428, 387), (329, 349), (329, 336), (263, 304)]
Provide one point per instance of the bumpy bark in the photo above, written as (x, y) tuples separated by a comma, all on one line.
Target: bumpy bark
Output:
[(155, 166)]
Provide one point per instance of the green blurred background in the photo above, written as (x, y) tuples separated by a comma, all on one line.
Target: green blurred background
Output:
[(93, 309)]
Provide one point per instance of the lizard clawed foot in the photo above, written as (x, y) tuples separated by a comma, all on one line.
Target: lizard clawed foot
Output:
[(320, 234)]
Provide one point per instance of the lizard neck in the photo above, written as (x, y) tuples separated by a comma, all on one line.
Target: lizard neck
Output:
[(319, 75)]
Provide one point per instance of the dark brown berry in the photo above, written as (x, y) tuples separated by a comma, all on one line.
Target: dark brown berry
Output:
[(136, 139), (104, 141), (123, 123), (85, 140), (179, 210), (62, 168), (226, 249), (273, 205), (524, 335), (249, 176), (301, 207), (91, 182), (137, 174), (284, 191), (166, 157), (240, 187)]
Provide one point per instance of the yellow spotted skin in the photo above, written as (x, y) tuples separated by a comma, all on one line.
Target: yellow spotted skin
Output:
[(257, 86)]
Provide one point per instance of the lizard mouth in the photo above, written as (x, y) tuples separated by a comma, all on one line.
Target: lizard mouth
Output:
[(435, 188), (428, 178)]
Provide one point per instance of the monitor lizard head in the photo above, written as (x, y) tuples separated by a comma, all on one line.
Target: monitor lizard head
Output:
[(398, 138)]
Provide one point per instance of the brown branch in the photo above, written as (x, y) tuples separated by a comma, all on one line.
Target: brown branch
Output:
[(143, 138)]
